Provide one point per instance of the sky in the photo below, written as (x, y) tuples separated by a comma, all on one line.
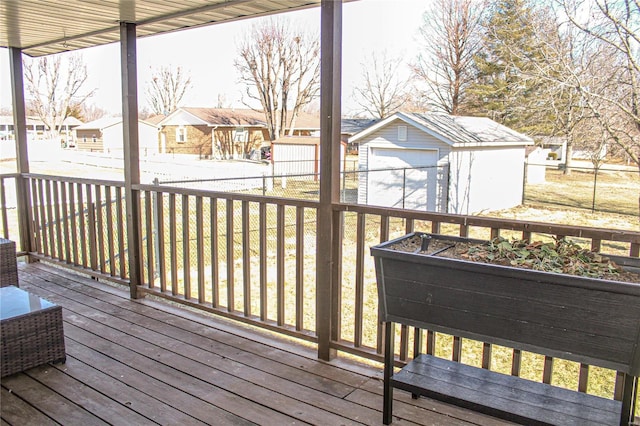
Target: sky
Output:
[(208, 53)]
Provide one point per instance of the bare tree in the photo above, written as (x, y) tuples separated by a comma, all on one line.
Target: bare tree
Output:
[(561, 60), (222, 101), (54, 87), (611, 32), (611, 35), (382, 93), (450, 34), (281, 69), (167, 88), (91, 112), (592, 139)]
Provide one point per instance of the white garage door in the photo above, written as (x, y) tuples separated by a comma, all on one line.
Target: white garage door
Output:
[(403, 178)]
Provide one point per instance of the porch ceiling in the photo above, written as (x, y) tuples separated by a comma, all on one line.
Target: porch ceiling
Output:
[(46, 27)]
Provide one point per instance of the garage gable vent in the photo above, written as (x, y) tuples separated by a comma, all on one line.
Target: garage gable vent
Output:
[(402, 133)]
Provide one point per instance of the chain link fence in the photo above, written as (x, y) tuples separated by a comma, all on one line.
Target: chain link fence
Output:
[(610, 190)]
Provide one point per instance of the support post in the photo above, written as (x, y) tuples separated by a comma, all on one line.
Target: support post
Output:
[(22, 156), (128, 65), (389, 357), (629, 392), (330, 113)]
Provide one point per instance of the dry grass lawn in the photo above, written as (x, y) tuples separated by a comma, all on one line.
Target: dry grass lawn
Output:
[(616, 191)]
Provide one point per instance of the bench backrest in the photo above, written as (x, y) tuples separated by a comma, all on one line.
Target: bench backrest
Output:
[(585, 320)]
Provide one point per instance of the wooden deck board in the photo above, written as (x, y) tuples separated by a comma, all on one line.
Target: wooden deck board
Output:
[(16, 411), (147, 362), (124, 391), (90, 399), (51, 403)]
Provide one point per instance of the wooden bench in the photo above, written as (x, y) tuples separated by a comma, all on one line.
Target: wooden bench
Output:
[(600, 327)]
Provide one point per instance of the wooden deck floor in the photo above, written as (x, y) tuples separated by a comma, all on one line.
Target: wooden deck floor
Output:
[(147, 362)]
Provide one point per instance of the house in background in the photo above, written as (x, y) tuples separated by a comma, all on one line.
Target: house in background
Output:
[(442, 163), (222, 132), (555, 147), (7, 132), (217, 132), (105, 135), (89, 137), (305, 125), (351, 126), (36, 129)]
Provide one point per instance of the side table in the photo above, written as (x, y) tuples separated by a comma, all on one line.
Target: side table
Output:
[(31, 331)]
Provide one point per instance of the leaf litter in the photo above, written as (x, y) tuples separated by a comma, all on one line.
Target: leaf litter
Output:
[(560, 256)]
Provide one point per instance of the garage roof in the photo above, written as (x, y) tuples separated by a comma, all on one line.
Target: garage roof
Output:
[(455, 130), (53, 26)]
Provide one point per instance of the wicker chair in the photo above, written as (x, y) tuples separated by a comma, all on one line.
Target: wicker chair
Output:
[(8, 263)]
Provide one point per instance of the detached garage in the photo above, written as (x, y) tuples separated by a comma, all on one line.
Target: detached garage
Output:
[(441, 163)]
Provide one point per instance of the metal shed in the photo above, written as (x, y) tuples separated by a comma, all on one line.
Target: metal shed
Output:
[(299, 155), (442, 163)]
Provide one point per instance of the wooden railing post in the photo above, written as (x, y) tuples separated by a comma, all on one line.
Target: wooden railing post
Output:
[(131, 152), (22, 157), (330, 111)]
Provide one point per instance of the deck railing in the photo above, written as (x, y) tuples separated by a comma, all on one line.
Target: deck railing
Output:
[(253, 258)]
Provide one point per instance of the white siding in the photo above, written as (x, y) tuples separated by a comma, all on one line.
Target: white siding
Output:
[(485, 179), (147, 140), (536, 166), (403, 178), (291, 159), (387, 137), (183, 118)]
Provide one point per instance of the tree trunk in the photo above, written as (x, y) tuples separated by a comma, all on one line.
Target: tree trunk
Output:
[(567, 157)]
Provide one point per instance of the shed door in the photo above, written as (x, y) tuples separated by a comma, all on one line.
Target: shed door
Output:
[(403, 178)]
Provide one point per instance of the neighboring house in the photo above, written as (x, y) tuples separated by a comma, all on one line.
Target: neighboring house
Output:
[(222, 132), (442, 163), (299, 155), (67, 131), (106, 135), (218, 132), (89, 136), (351, 126), (306, 125), (555, 147), (590, 155), (556, 150), (35, 127)]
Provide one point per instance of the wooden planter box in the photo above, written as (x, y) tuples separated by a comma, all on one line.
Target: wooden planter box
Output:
[(593, 321)]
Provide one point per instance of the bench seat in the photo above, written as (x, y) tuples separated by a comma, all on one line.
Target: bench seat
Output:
[(508, 397)]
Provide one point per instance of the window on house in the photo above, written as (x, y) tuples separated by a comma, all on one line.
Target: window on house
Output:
[(84, 139), (240, 135), (94, 139), (181, 134), (402, 133)]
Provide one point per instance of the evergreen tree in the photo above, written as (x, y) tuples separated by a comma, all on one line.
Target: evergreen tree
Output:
[(510, 53)]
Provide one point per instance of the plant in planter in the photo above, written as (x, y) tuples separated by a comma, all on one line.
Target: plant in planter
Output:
[(445, 284)]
